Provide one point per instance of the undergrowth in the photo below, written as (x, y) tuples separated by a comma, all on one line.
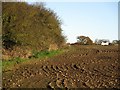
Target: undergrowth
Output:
[(9, 64), (43, 54)]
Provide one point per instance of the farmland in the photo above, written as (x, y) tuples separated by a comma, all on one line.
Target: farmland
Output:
[(87, 66)]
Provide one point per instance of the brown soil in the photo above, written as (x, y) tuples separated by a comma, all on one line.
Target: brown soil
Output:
[(80, 67)]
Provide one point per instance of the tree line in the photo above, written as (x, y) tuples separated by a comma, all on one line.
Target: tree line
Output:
[(85, 40)]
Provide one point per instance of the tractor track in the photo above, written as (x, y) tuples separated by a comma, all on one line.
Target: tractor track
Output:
[(82, 68)]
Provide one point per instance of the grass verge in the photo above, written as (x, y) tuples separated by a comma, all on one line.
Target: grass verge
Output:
[(43, 54), (10, 64)]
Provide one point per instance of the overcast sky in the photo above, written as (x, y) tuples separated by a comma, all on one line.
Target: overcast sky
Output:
[(97, 20)]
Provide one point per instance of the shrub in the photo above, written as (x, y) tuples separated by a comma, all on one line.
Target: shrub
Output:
[(30, 25)]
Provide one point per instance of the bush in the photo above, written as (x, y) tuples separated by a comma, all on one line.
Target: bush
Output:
[(30, 25)]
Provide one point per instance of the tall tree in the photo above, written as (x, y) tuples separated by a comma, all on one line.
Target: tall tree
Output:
[(84, 40)]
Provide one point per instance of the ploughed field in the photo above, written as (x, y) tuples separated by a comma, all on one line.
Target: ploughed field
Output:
[(78, 67)]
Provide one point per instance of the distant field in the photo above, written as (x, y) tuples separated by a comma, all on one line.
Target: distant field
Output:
[(79, 66)]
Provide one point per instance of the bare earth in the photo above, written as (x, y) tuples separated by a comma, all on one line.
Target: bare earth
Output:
[(79, 67)]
